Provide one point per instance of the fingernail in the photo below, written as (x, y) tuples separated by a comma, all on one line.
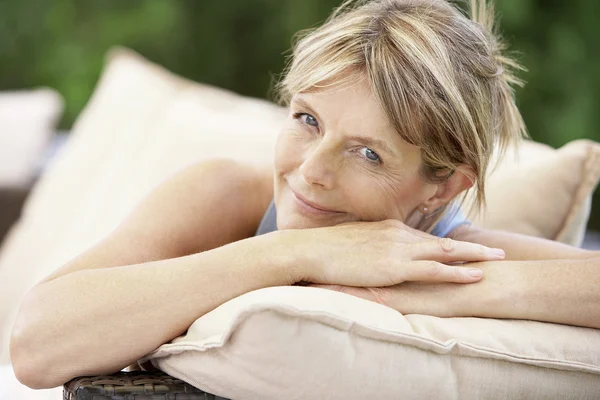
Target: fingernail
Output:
[(497, 253), (475, 273)]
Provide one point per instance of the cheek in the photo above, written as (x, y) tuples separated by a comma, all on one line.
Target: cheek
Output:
[(288, 151), (390, 195), (379, 196)]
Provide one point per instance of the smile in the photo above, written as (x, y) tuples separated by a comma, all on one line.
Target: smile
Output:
[(311, 208)]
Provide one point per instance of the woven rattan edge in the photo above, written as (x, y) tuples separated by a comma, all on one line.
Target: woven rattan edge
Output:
[(129, 385)]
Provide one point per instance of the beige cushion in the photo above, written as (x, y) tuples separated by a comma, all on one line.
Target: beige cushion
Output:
[(309, 343), (28, 119), (543, 192)]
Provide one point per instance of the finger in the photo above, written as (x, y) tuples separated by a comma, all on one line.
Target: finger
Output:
[(432, 271), (447, 250)]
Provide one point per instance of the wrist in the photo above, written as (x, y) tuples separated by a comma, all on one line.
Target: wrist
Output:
[(494, 295), (249, 264), (283, 257)]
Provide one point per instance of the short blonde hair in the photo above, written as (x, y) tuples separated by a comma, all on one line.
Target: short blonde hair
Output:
[(439, 75)]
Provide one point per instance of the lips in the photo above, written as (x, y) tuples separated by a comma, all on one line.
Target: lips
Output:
[(314, 205)]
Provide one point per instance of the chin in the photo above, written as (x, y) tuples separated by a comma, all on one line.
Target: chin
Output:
[(291, 220), (296, 223)]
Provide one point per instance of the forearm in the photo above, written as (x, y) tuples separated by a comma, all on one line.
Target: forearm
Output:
[(559, 291), (521, 247), (100, 320)]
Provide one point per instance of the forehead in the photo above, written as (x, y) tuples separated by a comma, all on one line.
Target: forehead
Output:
[(348, 104)]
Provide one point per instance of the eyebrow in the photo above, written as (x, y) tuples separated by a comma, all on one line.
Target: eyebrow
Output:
[(378, 143)]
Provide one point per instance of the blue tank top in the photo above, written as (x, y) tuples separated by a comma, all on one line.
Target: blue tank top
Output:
[(449, 222)]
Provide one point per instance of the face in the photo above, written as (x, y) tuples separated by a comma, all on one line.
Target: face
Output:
[(339, 160)]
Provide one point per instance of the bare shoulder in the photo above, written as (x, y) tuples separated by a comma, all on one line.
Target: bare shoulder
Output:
[(230, 197), (203, 206)]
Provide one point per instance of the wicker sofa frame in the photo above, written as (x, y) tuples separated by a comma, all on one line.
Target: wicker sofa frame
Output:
[(135, 385)]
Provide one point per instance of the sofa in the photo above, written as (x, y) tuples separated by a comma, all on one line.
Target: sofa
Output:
[(143, 124)]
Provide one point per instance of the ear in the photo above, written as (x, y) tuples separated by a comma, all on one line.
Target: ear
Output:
[(461, 179)]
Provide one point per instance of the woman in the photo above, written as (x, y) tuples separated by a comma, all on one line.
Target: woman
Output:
[(395, 108)]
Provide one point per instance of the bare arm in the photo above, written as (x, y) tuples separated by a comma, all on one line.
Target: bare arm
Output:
[(149, 280), (540, 280), (520, 247), (559, 291), (69, 332)]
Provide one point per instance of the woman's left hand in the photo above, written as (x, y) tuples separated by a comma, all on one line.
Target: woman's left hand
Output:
[(436, 299)]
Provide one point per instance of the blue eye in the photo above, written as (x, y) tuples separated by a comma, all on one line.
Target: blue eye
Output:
[(370, 154), (307, 119)]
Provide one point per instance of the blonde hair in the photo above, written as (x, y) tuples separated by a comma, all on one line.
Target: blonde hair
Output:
[(440, 77)]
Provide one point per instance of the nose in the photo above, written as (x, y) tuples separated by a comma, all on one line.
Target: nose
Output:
[(318, 166)]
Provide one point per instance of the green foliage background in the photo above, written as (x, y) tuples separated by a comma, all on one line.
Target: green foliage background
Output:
[(240, 45)]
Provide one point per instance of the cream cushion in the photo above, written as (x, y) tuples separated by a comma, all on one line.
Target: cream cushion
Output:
[(311, 343), (141, 126), (543, 192), (28, 119)]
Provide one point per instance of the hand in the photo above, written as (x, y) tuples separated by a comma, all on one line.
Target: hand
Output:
[(376, 254)]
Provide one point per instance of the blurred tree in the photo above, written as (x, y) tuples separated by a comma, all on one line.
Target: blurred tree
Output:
[(241, 45)]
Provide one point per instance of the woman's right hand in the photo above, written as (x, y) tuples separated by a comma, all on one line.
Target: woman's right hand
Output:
[(385, 253)]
